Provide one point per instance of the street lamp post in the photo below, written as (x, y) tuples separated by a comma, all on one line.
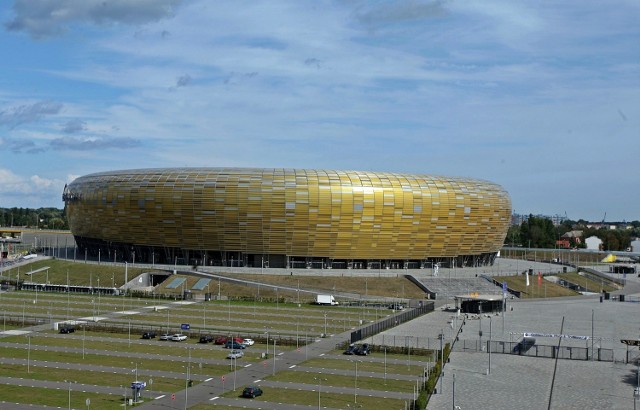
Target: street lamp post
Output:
[(29, 356), (186, 382), (319, 379), (325, 324), (355, 389), (69, 392), (489, 347), (441, 336), (453, 393)]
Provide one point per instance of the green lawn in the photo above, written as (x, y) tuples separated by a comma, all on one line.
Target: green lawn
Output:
[(590, 285), (59, 398), (309, 397), (124, 378), (545, 290), (410, 368), (104, 360), (364, 382)]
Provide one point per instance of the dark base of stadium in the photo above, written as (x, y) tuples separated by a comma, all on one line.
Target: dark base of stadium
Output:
[(120, 252)]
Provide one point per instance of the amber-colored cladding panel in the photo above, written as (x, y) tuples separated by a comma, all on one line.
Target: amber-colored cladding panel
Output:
[(296, 212)]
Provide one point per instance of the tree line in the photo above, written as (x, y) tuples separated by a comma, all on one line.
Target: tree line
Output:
[(540, 232), (41, 218)]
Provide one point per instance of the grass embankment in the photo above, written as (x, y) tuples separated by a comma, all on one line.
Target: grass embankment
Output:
[(545, 289), (63, 272), (590, 285), (309, 397), (396, 286), (58, 398)]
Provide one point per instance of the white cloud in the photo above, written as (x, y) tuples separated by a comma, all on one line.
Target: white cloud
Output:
[(44, 18), (29, 191)]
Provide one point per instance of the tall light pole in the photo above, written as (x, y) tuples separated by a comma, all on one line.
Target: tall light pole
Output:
[(319, 379), (385, 365), (29, 356), (441, 336), (98, 295), (274, 356), (204, 316), (69, 392), (355, 389), (325, 325), (453, 393), (186, 382), (489, 347)]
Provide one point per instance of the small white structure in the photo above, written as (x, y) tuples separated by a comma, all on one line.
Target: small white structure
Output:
[(635, 245), (593, 243)]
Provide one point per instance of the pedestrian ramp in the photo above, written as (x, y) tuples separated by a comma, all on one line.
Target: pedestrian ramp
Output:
[(201, 284), (449, 287), (175, 283)]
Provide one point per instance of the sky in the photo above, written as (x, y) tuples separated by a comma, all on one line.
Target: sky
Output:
[(540, 97)]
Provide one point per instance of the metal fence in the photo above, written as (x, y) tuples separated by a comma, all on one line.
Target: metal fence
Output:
[(392, 321), (548, 351)]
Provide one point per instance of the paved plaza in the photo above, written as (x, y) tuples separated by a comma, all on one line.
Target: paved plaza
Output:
[(522, 382)]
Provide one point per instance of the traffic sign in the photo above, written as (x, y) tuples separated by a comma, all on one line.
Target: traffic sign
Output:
[(185, 326), (173, 396), (223, 378)]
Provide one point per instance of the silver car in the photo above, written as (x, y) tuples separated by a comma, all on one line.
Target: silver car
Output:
[(235, 354), (178, 337)]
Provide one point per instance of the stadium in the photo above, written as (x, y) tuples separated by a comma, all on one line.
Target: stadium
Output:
[(287, 218)]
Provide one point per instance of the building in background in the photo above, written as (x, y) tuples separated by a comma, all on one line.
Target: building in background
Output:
[(288, 218)]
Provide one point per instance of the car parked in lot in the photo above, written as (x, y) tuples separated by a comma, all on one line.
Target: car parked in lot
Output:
[(67, 329), (233, 345), (248, 342), (252, 392), (351, 349), (363, 350), (206, 339), (235, 354), (396, 306), (149, 335), (178, 337), (220, 340), (165, 336)]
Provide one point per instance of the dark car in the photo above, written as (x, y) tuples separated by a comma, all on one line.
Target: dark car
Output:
[(524, 345), (233, 345), (351, 349), (251, 392), (363, 349), (67, 329), (396, 306), (149, 335), (206, 339)]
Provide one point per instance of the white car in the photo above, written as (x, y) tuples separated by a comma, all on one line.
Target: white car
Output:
[(178, 337), (235, 354), (248, 342)]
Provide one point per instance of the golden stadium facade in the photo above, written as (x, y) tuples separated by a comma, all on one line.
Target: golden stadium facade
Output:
[(289, 218)]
